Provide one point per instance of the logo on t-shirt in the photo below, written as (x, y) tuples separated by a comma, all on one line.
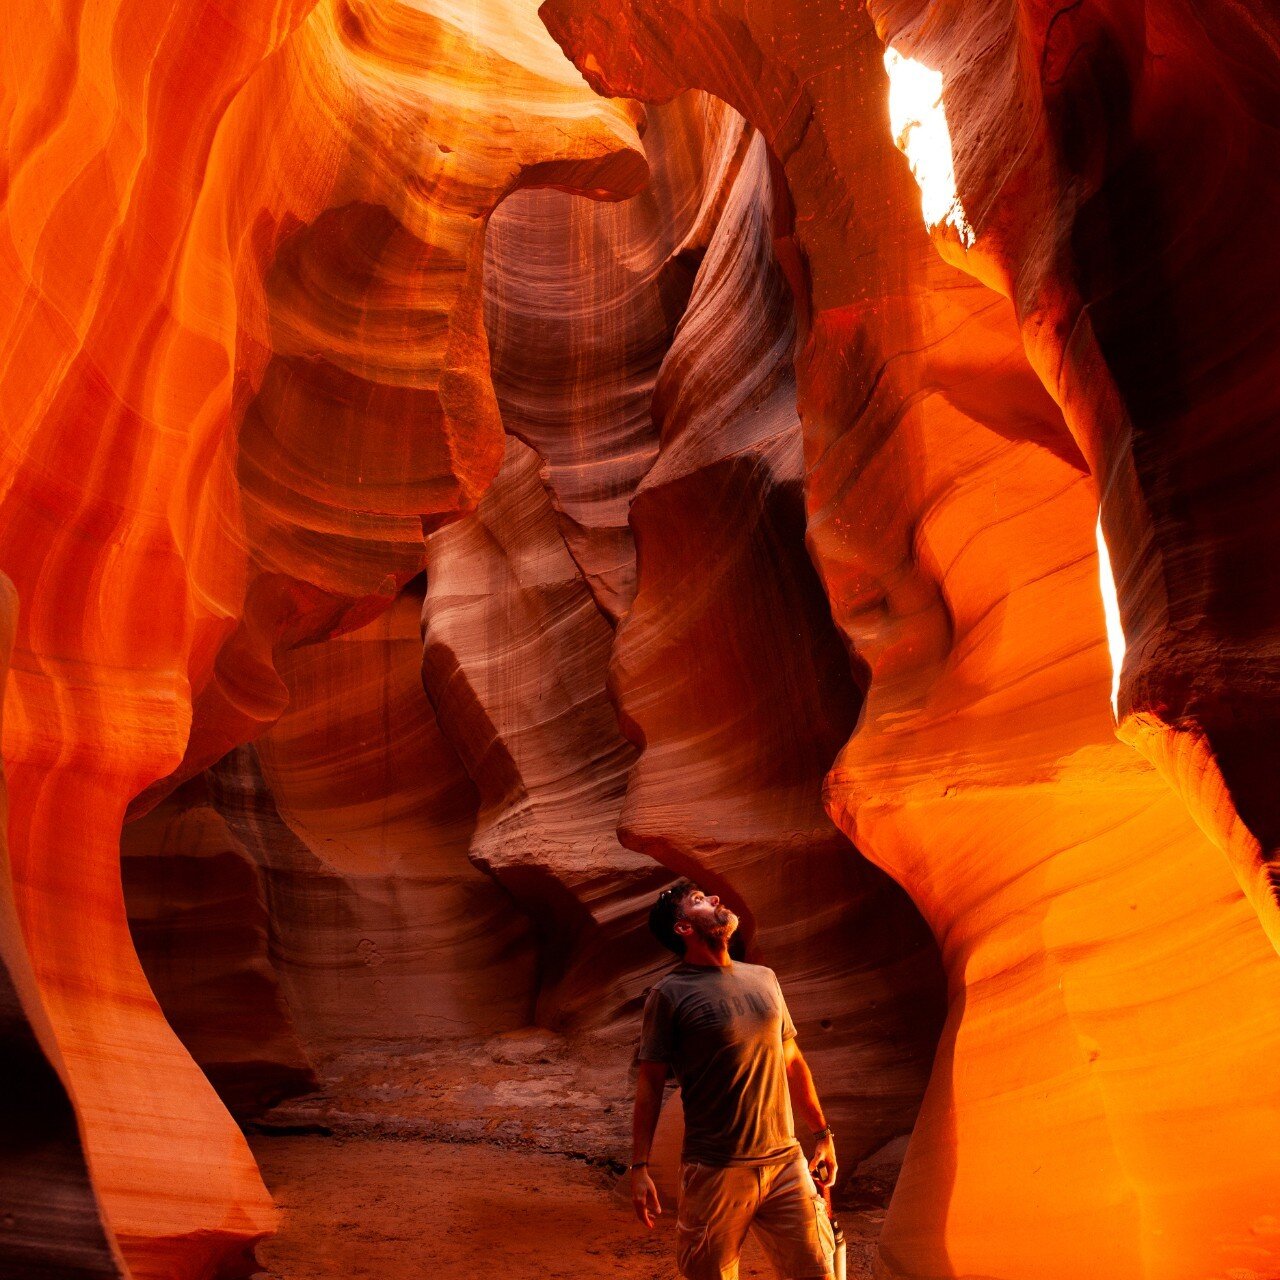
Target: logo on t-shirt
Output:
[(730, 1009)]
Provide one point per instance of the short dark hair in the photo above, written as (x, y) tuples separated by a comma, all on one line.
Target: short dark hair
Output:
[(666, 911)]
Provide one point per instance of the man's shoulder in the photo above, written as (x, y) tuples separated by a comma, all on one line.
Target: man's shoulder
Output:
[(682, 976), (662, 983), (679, 978), (755, 972)]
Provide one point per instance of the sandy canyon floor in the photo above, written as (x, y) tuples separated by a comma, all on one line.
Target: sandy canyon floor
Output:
[(498, 1159)]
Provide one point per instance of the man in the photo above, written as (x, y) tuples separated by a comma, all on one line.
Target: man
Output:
[(722, 1026)]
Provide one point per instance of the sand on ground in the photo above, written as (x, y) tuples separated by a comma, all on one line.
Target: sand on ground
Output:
[(387, 1209), (470, 1160)]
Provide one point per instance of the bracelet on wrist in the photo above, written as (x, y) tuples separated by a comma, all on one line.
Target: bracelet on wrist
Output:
[(825, 1132), (639, 1164)]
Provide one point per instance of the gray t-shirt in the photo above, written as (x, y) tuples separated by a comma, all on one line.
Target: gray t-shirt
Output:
[(721, 1031)]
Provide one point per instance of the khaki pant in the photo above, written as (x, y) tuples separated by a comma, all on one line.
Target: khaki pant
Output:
[(779, 1203)]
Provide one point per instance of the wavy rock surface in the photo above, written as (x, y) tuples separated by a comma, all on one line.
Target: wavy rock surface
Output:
[(731, 676), (582, 301), (360, 816), (515, 654), (1082, 917), (199, 919), (256, 373), (168, 508), (1134, 215), (51, 1226)]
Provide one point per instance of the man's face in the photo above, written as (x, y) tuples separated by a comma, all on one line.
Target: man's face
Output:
[(706, 917)]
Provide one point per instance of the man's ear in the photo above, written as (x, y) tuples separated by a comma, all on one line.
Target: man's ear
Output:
[(682, 926)]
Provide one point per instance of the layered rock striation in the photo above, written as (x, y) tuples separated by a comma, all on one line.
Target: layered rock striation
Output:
[(432, 563), (52, 1228), (951, 514), (218, 228)]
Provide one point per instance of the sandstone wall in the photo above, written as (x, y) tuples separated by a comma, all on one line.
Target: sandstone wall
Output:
[(952, 500), (770, 514), (178, 184)]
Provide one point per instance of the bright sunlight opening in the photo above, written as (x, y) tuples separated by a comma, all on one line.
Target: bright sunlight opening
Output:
[(919, 123), (1111, 609)]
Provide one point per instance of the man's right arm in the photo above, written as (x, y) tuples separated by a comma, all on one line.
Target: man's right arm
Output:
[(644, 1195)]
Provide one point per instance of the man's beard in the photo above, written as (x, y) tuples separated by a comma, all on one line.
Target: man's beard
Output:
[(723, 928)]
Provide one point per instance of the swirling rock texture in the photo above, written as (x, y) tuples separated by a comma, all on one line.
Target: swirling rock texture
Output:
[(951, 516), (51, 1226), (176, 182), (199, 919), (582, 300), (1121, 226), (713, 487), (361, 816), (521, 599), (515, 652)]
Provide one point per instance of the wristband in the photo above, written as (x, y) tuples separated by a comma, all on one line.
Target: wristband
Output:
[(824, 1132), (639, 1164)]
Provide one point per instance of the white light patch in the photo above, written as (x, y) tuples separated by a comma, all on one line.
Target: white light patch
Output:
[(919, 123), (1111, 610)]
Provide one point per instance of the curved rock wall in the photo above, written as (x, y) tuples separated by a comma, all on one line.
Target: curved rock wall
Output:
[(523, 596), (165, 174), (582, 301), (199, 919), (951, 515), (762, 543), (1134, 217), (52, 1228), (361, 816)]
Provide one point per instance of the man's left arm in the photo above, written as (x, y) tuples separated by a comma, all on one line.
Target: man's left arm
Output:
[(804, 1101)]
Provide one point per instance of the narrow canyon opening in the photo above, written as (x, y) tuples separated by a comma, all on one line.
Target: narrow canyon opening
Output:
[(467, 467), (413, 910)]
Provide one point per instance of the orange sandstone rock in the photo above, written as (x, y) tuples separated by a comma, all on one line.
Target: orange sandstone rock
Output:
[(515, 653), (1086, 926), (732, 678), (1116, 165), (245, 370), (176, 321), (583, 301), (51, 1227), (361, 817)]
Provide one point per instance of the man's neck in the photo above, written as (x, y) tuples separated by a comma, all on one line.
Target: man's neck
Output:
[(698, 952)]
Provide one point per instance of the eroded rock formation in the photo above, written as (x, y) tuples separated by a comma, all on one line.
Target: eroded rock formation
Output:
[(52, 1229), (758, 528), (1132, 219), (178, 183), (361, 816), (951, 516)]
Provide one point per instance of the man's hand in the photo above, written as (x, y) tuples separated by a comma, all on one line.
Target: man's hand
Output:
[(644, 1196), (824, 1154)]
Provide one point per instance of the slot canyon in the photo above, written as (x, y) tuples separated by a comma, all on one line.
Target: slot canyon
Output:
[(466, 467)]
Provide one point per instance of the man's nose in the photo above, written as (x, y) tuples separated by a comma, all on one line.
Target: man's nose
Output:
[(714, 900)]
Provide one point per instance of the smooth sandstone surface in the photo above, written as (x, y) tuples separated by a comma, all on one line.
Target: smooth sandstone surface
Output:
[(178, 183), (450, 498), (951, 516), (51, 1226), (361, 816)]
